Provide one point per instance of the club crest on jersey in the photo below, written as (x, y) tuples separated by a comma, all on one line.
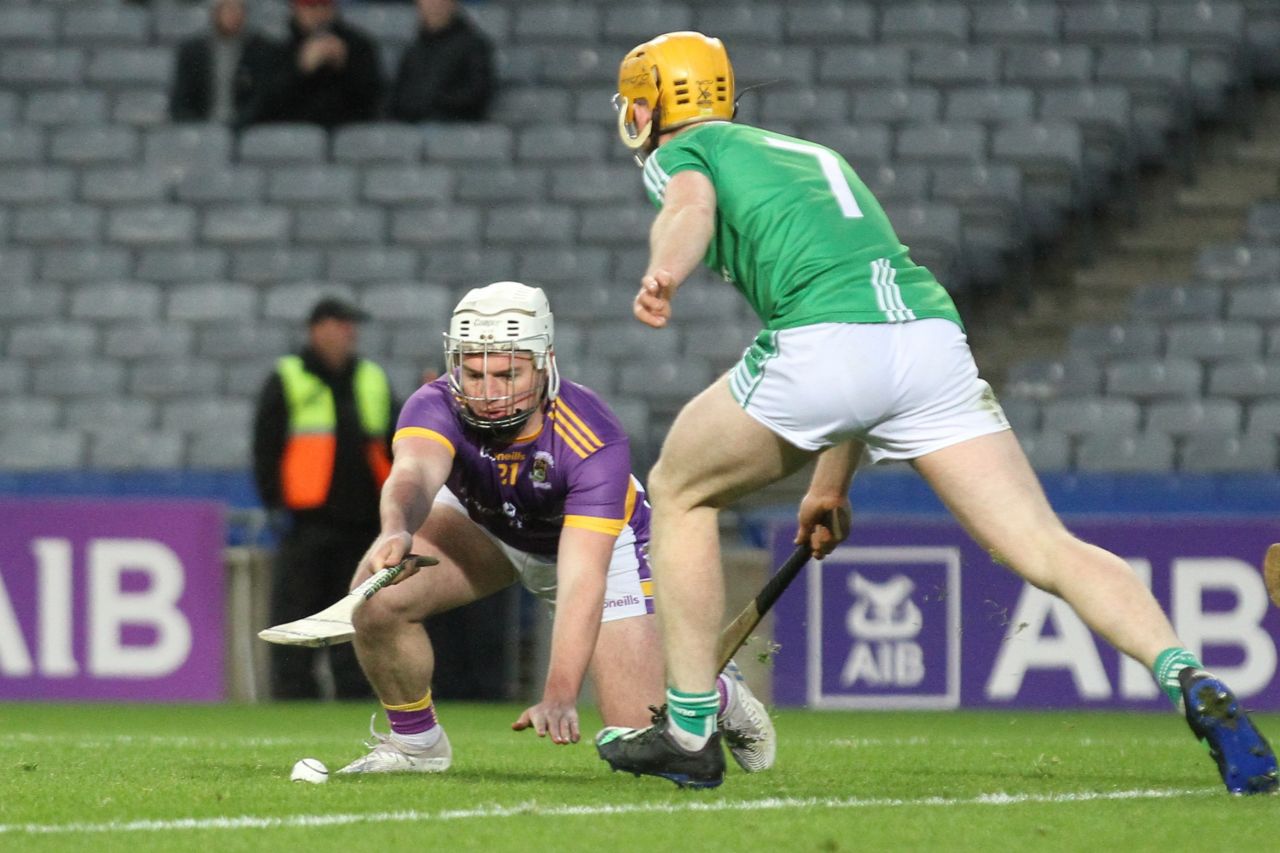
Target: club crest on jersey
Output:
[(542, 461)]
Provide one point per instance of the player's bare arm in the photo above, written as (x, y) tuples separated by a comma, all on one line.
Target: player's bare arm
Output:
[(583, 566), (824, 516), (678, 242), (418, 471)]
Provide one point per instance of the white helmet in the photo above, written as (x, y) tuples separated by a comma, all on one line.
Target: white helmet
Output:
[(504, 318)]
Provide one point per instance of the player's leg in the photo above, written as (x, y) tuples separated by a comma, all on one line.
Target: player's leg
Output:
[(395, 651), (714, 453), (627, 670), (988, 485)]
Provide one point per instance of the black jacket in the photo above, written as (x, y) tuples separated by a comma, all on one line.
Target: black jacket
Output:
[(353, 494), (191, 90), (329, 96), (445, 75)]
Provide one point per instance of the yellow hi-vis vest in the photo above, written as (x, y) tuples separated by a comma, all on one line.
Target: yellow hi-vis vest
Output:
[(306, 469)]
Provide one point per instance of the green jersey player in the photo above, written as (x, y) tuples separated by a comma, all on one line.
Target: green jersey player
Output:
[(862, 355)]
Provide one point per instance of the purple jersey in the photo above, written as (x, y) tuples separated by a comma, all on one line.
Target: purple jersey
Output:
[(574, 472)]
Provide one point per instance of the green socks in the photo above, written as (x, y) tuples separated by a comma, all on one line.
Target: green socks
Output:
[(693, 715), (1168, 664)]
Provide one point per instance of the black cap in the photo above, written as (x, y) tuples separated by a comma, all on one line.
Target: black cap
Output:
[(337, 309)]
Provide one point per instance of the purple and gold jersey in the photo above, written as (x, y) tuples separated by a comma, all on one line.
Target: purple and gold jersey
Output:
[(574, 472)]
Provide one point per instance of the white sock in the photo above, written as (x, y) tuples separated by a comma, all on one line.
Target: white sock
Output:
[(418, 742), (688, 740)]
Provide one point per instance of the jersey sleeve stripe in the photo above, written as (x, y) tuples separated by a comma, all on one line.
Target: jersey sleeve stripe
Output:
[(569, 440), (571, 415), (423, 432), (630, 507), (611, 526)]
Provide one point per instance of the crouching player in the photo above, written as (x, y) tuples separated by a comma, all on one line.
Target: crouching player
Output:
[(506, 473)]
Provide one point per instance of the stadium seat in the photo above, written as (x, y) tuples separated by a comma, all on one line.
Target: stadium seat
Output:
[(557, 23), (865, 66), (559, 144), (666, 383), (134, 66), (1023, 414), (830, 21), (1187, 417), (407, 301), (590, 184), (84, 263), (164, 378), (372, 263), (1246, 380), (22, 145), (140, 107), (41, 450), (407, 184), (270, 264), (195, 414), (116, 300), (52, 339), (377, 143), (212, 302), (521, 224), (58, 224), (77, 377), (31, 301), (493, 19), (863, 144), (555, 267), (1154, 378), (147, 340), (956, 65), (908, 182), (178, 264), (1116, 340), (394, 24), (1214, 340), (343, 224), (1229, 263), (598, 305), (89, 414), (931, 230), (1167, 301), (1112, 21), (1229, 452), (1264, 418), (246, 224), (182, 148), (989, 104), (245, 377), (151, 225), (115, 185), (792, 104), (222, 184), (630, 24), (135, 450), (1051, 158), (228, 341), (92, 145), (58, 107), (1043, 66), (427, 226), (1263, 223), (1158, 80), (463, 267), (898, 104), (1015, 21), (175, 21), (106, 24), (1092, 416), (31, 68), (523, 104), (28, 414), (278, 144), (495, 185), (1047, 450), (936, 144), (1137, 453), (302, 185), (924, 22), (291, 302), (446, 143), (36, 184), (28, 25)]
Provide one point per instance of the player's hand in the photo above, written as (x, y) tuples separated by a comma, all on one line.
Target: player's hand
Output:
[(652, 305), (551, 717), (823, 522), (387, 550)]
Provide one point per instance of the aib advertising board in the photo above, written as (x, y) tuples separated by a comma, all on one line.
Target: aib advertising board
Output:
[(111, 600), (913, 614)]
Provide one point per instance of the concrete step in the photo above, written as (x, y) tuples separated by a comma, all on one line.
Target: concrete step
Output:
[(1127, 271), (1175, 235)]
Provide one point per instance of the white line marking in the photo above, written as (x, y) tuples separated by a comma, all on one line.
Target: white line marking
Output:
[(534, 809)]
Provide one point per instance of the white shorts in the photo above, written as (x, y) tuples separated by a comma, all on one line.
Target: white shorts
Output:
[(904, 389), (628, 589)]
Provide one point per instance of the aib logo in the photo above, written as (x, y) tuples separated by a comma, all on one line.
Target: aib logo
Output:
[(884, 628)]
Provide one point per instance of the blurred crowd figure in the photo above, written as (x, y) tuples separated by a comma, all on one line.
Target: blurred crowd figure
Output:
[(326, 71)]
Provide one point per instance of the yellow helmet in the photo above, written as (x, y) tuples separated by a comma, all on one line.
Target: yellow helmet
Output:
[(684, 77)]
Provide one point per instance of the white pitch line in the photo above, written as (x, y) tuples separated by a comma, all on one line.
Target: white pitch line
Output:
[(533, 809)]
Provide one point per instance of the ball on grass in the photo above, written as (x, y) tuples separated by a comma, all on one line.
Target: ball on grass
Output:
[(310, 770)]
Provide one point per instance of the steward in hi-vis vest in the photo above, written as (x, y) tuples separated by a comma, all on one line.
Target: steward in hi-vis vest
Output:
[(321, 452)]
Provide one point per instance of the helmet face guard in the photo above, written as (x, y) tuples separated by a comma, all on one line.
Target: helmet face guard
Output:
[(684, 77), (505, 321)]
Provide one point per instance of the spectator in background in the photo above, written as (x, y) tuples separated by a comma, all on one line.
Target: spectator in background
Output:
[(446, 74), (218, 76), (330, 74), (321, 451)]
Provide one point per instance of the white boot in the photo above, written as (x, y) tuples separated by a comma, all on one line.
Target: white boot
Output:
[(748, 731), (386, 756)]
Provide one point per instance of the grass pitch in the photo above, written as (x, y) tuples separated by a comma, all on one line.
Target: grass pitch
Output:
[(207, 778)]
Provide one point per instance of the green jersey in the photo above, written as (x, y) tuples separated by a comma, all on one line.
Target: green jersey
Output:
[(797, 231)]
